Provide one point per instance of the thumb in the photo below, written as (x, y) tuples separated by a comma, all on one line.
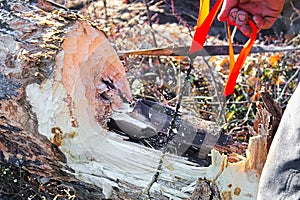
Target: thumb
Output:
[(226, 7)]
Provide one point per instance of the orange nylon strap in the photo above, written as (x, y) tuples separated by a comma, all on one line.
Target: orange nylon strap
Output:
[(235, 67), (205, 20), (203, 11), (231, 52)]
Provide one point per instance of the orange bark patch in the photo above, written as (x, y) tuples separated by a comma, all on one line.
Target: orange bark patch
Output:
[(86, 60)]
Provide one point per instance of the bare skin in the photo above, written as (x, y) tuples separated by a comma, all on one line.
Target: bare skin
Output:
[(263, 13)]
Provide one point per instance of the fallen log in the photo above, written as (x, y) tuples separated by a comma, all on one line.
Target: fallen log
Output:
[(60, 80)]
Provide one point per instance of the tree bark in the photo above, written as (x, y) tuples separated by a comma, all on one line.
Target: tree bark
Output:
[(30, 38)]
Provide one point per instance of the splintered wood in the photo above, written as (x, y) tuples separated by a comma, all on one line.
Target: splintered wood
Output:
[(87, 67)]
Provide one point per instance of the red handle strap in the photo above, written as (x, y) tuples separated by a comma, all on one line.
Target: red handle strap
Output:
[(204, 24), (205, 20)]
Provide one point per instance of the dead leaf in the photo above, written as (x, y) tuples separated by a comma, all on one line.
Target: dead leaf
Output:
[(273, 60)]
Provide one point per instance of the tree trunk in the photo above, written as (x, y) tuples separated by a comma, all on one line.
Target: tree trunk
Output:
[(59, 80)]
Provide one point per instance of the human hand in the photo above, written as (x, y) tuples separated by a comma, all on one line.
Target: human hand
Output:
[(263, 12)]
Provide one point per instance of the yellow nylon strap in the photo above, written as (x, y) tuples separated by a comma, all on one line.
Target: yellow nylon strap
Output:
[(205, 20), (231, 52), (203, 11)]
